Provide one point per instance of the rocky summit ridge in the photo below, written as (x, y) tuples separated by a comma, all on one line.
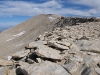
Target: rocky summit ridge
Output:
[(70, 47)]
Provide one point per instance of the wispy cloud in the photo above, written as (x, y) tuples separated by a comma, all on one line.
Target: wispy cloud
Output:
[(10, 8), (94, 4)]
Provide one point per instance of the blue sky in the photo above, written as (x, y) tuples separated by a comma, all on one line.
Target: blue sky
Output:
[(13, 12)]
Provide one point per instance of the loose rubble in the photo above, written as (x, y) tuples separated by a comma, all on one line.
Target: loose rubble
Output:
[(72, 50)]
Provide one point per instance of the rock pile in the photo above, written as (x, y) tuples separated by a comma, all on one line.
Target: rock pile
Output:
[(65, 21), (72, 50)]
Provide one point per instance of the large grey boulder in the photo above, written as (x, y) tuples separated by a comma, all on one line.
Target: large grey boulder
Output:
[(47, 52), (71, 66), (44, 68), (91, 45)]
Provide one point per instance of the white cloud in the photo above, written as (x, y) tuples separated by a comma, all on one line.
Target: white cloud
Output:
[(10, 8), (93, 4)]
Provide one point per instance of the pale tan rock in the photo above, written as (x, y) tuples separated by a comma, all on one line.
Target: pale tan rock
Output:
[(77, 59), (47, 52), (20, 54), (39, 60), (41, 37), (74, 47), (22, 63), (57, 45), (5, 62), (36, 44), (12, 72)]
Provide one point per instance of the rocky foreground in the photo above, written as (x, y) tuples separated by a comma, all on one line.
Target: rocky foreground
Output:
[(71, 50)]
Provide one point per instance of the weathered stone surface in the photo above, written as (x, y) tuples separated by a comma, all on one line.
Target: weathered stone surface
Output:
[(36, 44), (12, 72), (7, 71), (44, 68), (84, 70), (64, 43), (71, 66), (5, 62), (47, 52), (57, 45), (91, 46), (77, 59), (74, 48), (97, 70), (2, 70), (20, 54), (22, 63)]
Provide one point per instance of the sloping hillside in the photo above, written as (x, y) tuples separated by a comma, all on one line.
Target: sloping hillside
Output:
[(16, 38)]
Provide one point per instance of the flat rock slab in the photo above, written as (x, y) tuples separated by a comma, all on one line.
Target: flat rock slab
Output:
[(5, 62), (44, 68), (59, 45), (91, 45), (46, 52), (36, 44), (20, 54)]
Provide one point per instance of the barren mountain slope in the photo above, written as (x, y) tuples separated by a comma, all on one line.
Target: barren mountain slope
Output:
[(16, 38)]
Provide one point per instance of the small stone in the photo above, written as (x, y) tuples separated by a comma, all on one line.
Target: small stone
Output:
[(90, 53), (30, 61), (9, 57), (74, 47), (39, 60)]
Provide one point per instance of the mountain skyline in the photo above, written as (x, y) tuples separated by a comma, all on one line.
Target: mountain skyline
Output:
[(13, 12)]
